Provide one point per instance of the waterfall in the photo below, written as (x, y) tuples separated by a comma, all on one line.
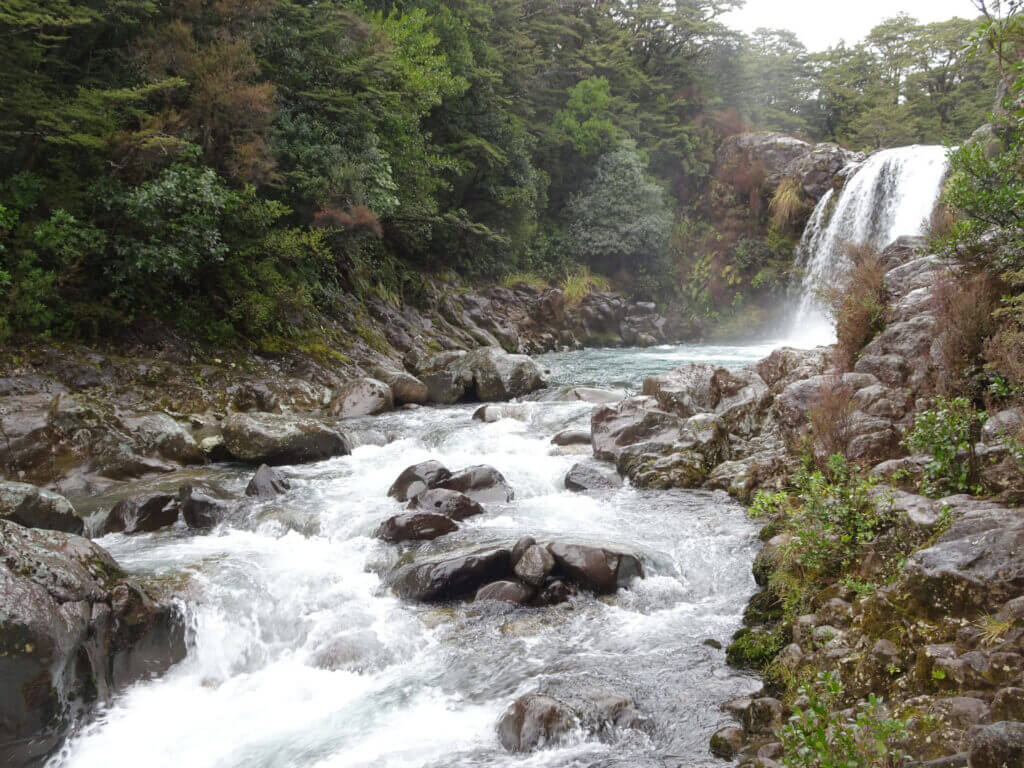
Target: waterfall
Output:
[(892, 194)]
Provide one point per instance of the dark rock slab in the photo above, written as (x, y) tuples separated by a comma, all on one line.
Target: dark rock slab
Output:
[(595, 568), (141, 514), (451, 504), (267, 483), (423, 526), (588, 477), (481, 483), (34, 507), (451, 577), (273, 439), (418, 478), (505, 591)]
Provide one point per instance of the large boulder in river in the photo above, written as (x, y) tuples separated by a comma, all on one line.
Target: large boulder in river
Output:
[(534, 721), (418, 478), (34, 507), (362, 397), (405, 388), (267, 483), (738, 398), (590, 477), (498, 376), (73, 628), (594, 568), (637, 420), (481, 483), (450, 577), (267, 438), (451, 504), (141, 514)]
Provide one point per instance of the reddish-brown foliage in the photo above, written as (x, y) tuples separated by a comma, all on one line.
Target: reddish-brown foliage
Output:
[(963, 310), (831, 416), (359, 219), (858, 305)]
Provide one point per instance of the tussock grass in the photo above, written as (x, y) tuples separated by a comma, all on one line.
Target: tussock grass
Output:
[(788, 204), (529, 279), (581, 282)]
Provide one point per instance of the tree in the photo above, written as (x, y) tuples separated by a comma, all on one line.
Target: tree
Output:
[(620, 221)]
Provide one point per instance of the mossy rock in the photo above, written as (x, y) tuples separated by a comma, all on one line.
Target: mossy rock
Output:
[(754, 648)]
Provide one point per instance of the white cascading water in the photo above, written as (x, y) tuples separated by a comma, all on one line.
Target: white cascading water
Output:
[(891, 195)]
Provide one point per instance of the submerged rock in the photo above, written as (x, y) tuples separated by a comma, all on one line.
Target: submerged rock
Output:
[(534, 721), (34, 507), (273, 439), (73, 629), (505, 592), (141, 514), (200, 507)]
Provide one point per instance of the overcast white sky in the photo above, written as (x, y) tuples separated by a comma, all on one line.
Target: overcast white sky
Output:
[(821, 23)]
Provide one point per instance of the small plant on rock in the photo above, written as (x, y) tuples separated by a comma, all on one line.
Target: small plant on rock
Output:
[(820, 735), (947, 432)]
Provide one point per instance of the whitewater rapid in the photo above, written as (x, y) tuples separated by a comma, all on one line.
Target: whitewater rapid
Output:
[(299, 654)]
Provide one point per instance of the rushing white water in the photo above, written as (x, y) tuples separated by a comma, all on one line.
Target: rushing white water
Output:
[(300, 656), (892, 194)]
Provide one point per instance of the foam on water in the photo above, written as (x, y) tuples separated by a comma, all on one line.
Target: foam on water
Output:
[(300, 656)]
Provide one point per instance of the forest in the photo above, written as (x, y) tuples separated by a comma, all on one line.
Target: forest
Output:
[(229, 167)]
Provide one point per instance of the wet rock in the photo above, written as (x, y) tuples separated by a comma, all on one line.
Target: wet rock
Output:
[(481, 483), (588, 477), (738, 398), (492, 413), (727, 742), (359, 651), (554, 593), (418, 478), (498, 376), (534, 565), (267, 483), (422, 526), (638, 420), (520, 548), (73, 629), (200, 507), (505, 592), (679, 469), (362, 397), (139, 514), (534, 721), (450, 577), (594, 568), (273, 439), (999, 745), (571, 437), (34, 507), (451, 504)]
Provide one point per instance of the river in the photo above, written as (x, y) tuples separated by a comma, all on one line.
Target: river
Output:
[(299, 656)]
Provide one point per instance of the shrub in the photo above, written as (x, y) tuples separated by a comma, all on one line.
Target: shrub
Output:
[(831, 416), (964, 309), (821, 735), (754, 648), (858, 305), (947, 432)]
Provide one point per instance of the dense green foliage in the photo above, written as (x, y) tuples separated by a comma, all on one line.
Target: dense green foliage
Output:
[(947, 432), (820, 734), (229, 166)]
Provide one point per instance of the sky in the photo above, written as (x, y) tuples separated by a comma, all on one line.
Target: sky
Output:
[(821, 23)]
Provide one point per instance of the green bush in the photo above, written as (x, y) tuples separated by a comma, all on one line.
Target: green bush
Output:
[(820, 735), (947, 432)]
